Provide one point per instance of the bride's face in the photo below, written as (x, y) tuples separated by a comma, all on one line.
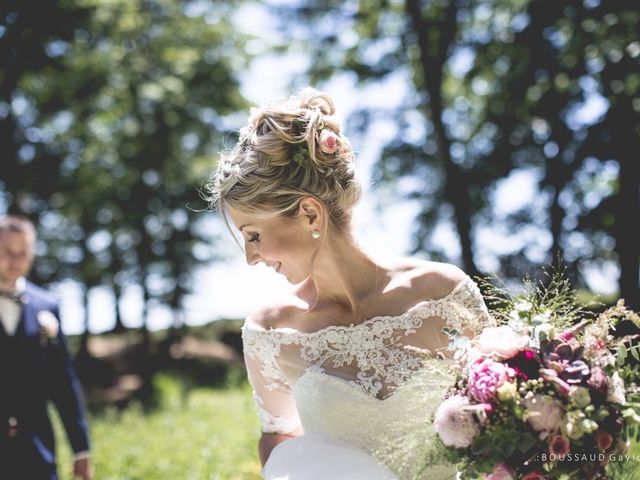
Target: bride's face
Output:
[(282, 243)]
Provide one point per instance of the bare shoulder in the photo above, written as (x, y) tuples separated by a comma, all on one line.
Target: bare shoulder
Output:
[(427, 280), (277, 314)]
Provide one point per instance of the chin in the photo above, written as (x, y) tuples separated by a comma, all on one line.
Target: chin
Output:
[(293, 280)]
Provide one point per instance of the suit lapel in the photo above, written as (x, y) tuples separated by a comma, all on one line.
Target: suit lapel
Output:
[(29, 317)]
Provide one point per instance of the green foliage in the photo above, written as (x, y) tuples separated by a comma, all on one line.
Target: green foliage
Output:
[(552, 299), (203, 434), (498, 88), (126, 104)]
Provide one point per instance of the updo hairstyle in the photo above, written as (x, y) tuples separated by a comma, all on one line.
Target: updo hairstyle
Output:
[(288, 151)]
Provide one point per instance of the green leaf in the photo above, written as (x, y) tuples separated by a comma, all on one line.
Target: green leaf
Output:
[(622, 355), (632, 415), (506, 449), (525, 442), (481, 445)]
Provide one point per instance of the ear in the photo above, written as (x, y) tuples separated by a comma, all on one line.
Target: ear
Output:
[(313, 211)]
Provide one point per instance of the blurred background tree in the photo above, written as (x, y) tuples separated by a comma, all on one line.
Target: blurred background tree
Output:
[(500, 88), (112, 113)]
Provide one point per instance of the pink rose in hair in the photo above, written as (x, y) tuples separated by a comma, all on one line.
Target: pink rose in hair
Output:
[(328, 141)]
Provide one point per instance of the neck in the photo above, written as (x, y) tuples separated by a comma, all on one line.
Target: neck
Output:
[(343, 274), (9, 285)]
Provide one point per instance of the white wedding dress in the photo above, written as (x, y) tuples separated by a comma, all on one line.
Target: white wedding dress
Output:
[(364, 394)]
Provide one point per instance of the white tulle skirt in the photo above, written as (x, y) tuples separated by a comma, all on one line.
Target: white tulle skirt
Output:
[(317, 456)]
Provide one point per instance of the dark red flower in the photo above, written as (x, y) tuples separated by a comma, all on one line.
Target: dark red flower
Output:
[(525, 364), (604, 440)]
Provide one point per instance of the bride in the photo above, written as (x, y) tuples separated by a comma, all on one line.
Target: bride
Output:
[(349, 367)]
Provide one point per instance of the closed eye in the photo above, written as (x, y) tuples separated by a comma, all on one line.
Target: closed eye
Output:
[(255, 237)]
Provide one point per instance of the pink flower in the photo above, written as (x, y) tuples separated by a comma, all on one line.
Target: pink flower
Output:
[(328, 141), (454, 424), (533, 476), (486, 376), (567, 336), (551, 376), (544, 413), (502, 471), (598, 379), (615, 392), (501, 341), (604, 440), (482, 410), (558, 445)]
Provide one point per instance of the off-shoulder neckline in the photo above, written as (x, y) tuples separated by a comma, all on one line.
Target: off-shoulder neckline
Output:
[(248, 326)]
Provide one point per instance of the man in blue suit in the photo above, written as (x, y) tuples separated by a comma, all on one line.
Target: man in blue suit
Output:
[(35, 368)]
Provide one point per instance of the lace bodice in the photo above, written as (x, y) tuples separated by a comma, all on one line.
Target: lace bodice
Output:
[(369, 383)]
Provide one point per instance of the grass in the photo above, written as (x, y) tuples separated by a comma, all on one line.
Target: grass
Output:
[(202, 434), (199, 434)]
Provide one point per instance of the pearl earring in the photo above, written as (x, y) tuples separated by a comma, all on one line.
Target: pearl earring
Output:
[(315, 234)]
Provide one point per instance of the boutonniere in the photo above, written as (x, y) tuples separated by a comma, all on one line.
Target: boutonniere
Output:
[(49, 326)]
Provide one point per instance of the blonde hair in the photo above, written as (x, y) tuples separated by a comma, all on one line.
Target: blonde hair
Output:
[(279, 160)]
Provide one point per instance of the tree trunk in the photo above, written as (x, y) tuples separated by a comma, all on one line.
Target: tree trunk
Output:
[(432, 64), (144, 328), (628, 234), (118, 327)]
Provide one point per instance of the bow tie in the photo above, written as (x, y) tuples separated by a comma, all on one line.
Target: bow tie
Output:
[(14, 297)]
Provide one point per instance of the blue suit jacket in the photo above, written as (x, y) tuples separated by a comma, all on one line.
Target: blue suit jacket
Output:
[(35, 369)]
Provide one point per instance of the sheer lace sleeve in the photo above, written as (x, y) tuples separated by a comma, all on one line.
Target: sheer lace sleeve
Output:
[(271, 390), (467, 313)]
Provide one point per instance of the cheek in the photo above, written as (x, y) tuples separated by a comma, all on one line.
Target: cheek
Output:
[(287, 248)]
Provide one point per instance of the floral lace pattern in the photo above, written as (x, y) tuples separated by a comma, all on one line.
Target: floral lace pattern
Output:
[(373, 345), (369, 384)]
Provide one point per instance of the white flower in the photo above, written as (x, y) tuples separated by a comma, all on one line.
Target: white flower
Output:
[(515, 322), (502, 341), (579, 396), (507, 391), (615, 393), (575, 424), (49, 325), (455, 425), (523, 306), (541, 318), (544, 331), (543, 413)]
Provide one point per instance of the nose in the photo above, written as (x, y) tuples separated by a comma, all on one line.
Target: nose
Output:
[(252, 256)]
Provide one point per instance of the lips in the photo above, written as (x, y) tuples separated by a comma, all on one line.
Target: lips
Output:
[(276, 266)]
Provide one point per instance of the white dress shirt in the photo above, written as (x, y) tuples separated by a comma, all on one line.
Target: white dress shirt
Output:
[(10, 311)]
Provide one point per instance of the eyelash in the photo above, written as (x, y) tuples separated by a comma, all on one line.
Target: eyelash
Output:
[(254, 238)]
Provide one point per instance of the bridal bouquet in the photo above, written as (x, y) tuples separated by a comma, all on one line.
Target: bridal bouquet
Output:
[(547, 394)]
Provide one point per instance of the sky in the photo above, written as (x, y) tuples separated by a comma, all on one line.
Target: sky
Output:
[(233, 289)]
